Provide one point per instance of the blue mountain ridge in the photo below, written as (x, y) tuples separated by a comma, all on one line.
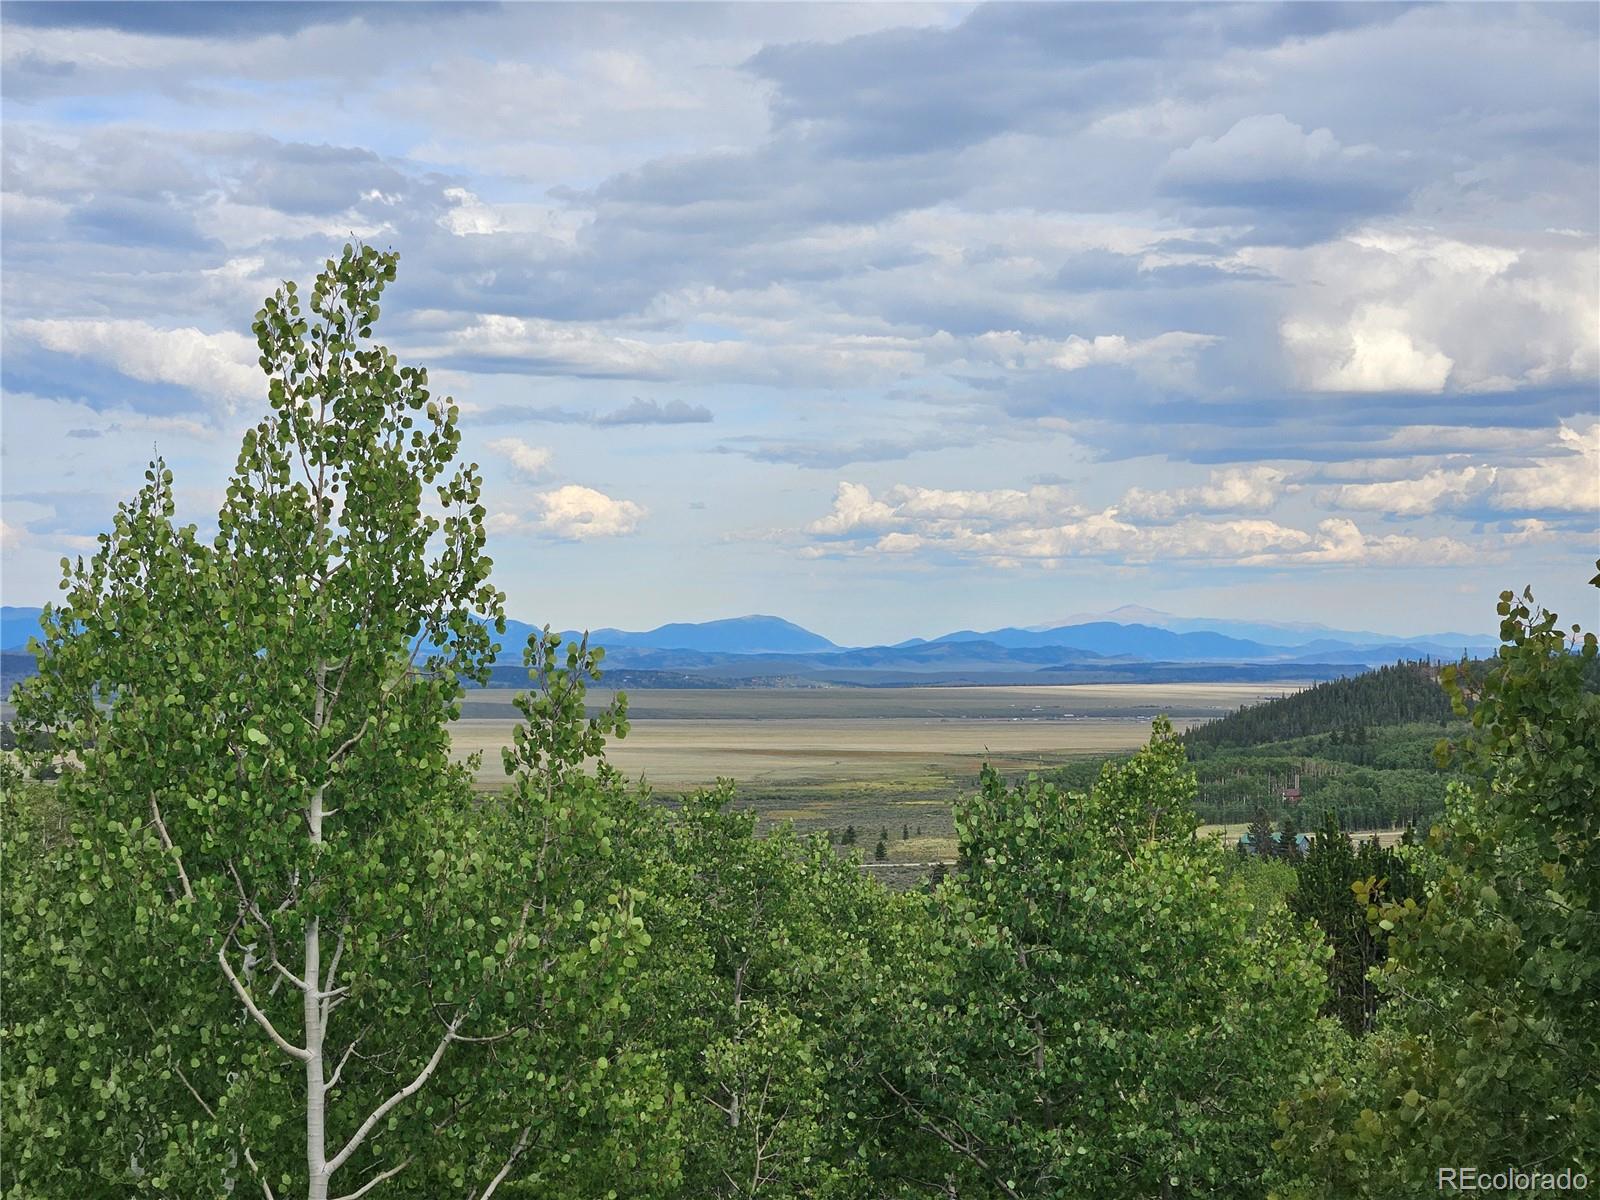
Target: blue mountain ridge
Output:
[(1108, 637), (1271, 633), (756, 634), (781, 644)]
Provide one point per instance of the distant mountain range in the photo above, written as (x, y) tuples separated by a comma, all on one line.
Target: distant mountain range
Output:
[(1272, 633), (1126, 643), (1141, 641), (735, 635)]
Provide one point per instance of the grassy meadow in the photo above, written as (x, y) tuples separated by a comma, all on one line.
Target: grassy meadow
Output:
[(875, 758)]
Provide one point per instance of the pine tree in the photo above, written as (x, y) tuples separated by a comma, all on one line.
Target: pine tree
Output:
[(1289, 841), (1260, 835), (880, 852), (1322, 894)]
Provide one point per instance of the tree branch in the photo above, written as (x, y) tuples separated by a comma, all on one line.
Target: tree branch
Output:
[(290, 975), (260, 1178), (343, 1058), (248, 903), (198, 1099), (330, 991), (288, 1047), (166, 842), (376, 1180), (350, 741), (511, 1159), (383, 1110)]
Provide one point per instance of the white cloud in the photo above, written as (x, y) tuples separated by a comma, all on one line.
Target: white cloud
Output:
[(1565, 482), (787, 352), (246, 226), (530, 461), (574, 512), (1043, 502), (1423, 440), (1339, 541), (221, 365), (1415, 311), (1013, 350), (1437, 489), (1007, 528), (469, 215), (574, 348), (583, 513), (1528, 531), (1564, 477), (1232, 489), (853, 509), (1370, 352)]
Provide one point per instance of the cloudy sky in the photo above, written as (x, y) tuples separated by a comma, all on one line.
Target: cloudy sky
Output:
[(889, 319)]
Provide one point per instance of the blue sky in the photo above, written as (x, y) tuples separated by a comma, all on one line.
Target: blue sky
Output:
[(889, 319)]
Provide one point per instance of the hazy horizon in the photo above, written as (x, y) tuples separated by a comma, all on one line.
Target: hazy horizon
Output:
[(887, 320), (1311, 630)]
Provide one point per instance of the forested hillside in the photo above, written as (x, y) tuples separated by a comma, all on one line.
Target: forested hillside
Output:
[(1373, 777), (1384, 777), (1406, 693)]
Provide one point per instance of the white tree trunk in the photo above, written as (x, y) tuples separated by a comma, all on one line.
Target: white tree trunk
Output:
[(316, 1087)]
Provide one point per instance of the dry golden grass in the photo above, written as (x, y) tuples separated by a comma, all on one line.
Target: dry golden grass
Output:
[(823, 757), (1057, 702), (676, 755)]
